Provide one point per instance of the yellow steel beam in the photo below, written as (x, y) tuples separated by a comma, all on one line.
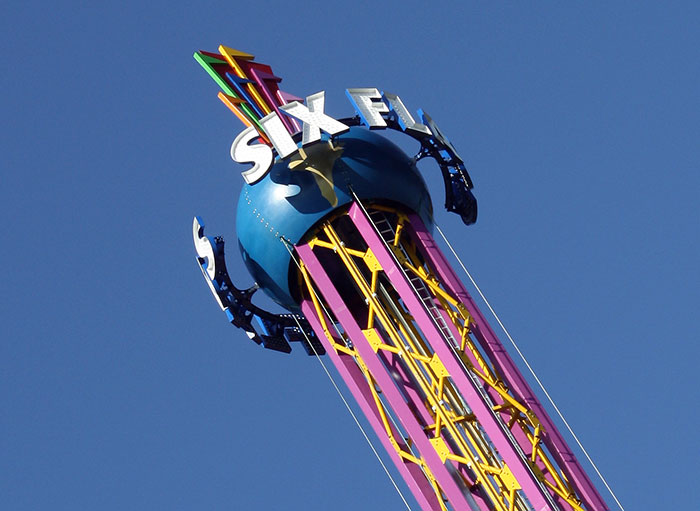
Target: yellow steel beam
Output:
[(528, 420), (422, 375), (434, 385), (406, 455)]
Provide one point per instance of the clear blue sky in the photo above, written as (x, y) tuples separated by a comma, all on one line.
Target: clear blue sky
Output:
[(122, 385)]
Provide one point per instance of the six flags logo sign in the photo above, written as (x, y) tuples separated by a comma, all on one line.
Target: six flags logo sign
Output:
[(275, 118)]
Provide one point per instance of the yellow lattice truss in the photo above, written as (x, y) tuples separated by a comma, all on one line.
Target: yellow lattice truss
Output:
[(454, 431)]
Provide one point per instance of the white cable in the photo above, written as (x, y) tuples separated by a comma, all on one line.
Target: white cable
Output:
[(337, 389), (561, 416)]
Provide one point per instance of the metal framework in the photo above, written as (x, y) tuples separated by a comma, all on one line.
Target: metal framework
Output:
[(378, 297), (458, 419)]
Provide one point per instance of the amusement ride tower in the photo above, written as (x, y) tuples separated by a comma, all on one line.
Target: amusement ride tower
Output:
[(335, 224)]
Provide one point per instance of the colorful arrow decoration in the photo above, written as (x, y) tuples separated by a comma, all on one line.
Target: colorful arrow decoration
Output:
[(249, 89)]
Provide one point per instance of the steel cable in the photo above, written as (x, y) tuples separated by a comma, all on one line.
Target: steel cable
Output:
[(337, 389), (532, 371)]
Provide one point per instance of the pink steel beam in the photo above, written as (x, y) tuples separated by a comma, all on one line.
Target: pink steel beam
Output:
[(507, 368), (393, 363), (517, 432), (494, 428), (358, 386), (520, 436), (454, 492)]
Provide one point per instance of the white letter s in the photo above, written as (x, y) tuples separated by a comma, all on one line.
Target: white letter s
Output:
[(259, 155)]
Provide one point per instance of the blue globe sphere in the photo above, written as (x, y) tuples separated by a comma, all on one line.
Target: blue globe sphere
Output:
[(300, 191)]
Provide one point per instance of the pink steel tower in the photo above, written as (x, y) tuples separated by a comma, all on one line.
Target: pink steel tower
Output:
[(334, 223)]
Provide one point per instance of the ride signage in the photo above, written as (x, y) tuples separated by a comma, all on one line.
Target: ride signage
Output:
[(280, 124), (372, 107)]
